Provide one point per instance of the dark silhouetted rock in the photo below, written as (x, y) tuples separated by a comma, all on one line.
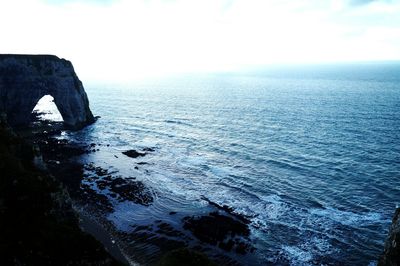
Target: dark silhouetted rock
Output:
[(215, 227), (116, 187), (229, 210), (25, 79), (37, 223), (391, 254), (134, 153), (222, 230), (130, 190)]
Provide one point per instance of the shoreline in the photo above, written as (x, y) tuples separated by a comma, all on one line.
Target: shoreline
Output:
[(61, 159), (94, 228), (94, 190), (38, 224)]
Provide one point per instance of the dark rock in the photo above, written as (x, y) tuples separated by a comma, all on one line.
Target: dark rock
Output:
[(172, 213), (131, 190), (391, 254), (119, 188), (37, 222), (229, 210), (185, 256), (108, 177), (242, 248), (168, 230), (70, 174), (133, 153), (228, 245), (101, 184), (217, 229), (87, 195), (56, 149), (143, 227), (148, 149)]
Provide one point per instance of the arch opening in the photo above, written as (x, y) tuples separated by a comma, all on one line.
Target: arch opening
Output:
[(46, 110)]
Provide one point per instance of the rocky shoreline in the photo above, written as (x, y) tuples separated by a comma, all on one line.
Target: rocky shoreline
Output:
[(82, 195), (46, 182), (38, 224), (77, 196), (96, 190), (92, 191)]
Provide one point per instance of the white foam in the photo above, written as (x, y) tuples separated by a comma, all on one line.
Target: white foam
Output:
[(274, 207), (192, 161), (220, 171), (297, 256), (320, 246), (348, 218)]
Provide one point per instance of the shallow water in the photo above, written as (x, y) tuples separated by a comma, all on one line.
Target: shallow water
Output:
[(312, 155)]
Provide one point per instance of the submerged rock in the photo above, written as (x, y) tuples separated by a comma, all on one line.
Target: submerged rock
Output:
[(149, 149), (116, 187), (133, 153), (221, 230), (391, 254), (229, 210), (130, 190), (25, 79)]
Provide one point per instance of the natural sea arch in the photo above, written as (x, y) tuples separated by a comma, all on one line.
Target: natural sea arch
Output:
[(46, 109), (25, 79)]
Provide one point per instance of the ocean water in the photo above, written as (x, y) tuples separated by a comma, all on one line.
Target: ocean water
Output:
[(311, 154)]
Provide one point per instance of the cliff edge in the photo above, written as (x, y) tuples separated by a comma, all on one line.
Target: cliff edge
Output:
[(25, 79), (391, 254)]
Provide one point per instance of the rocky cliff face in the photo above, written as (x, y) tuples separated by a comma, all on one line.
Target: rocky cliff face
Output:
[(25, 79), (37, 223), (391, 255)]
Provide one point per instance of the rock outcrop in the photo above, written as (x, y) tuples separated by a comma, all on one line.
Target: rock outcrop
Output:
[(25, 79), (38, 225), (391, 254)]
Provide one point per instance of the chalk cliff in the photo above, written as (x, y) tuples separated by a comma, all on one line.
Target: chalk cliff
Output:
[(391, 254), (25, 79)]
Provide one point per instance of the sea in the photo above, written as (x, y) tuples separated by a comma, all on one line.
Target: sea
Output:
[(311, 153)]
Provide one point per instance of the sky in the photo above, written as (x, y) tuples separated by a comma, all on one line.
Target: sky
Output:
[(128, 39)]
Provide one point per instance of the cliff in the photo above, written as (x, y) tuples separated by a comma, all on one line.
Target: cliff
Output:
[(391, 254), (25, 79), (37, 223)]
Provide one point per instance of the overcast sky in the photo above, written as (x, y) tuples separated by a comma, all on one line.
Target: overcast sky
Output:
[(124, 39)]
